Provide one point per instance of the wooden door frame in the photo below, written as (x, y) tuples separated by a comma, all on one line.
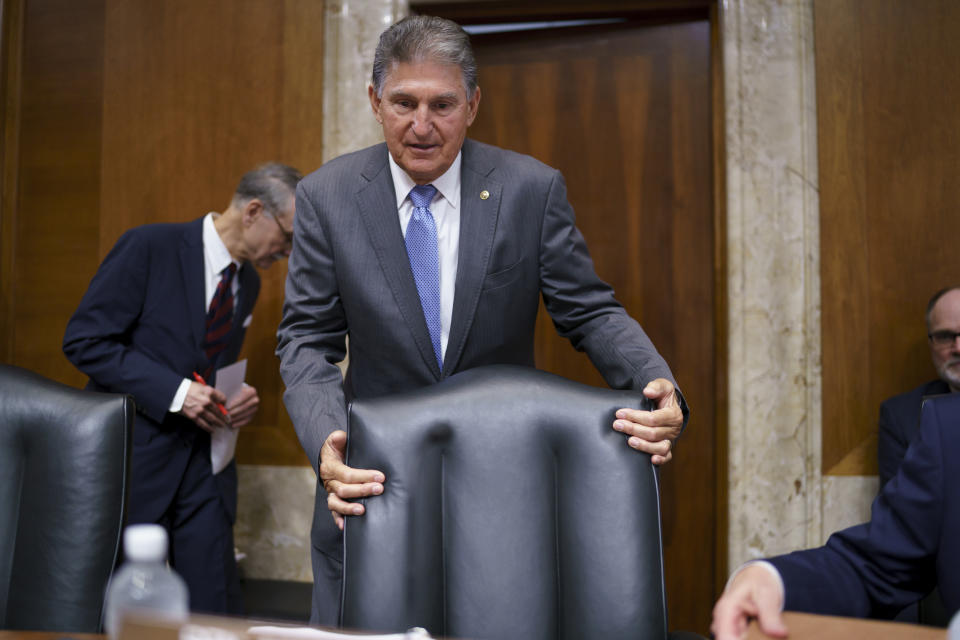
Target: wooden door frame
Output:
[(11, 47), (652, 12)]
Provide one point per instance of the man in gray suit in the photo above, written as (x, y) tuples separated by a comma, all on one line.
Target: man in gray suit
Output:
[(431, 252)]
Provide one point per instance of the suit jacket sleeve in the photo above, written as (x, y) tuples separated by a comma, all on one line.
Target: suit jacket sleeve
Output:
[(583, 307), (311, 336), (98, 336), (877, 568)]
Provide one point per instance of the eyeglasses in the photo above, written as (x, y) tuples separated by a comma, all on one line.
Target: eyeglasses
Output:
[(287, 235), (944, 338)]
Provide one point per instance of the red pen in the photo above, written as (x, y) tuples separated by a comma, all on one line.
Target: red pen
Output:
[(199, 378)]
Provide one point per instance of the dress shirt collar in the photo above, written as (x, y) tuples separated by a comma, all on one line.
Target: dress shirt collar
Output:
[(448, 185), (215, 253)]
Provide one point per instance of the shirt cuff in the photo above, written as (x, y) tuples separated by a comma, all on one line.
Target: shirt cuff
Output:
[(770, 568), (180, 396)]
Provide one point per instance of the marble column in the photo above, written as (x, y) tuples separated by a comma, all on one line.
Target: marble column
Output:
[(773, 277), (351, 32)]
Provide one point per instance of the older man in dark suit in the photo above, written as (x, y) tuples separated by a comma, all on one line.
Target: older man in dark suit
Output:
[(900, 414), (431, 252), (910, 545), (168, 301)]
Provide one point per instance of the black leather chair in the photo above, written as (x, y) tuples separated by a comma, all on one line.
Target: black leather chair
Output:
[(511, 509), (64, 469)]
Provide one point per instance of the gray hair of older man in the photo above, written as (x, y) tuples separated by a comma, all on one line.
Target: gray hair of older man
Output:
[(271, 183), (420, 38), (935, 299)]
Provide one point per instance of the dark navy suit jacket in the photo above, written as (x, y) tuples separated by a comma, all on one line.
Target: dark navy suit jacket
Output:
[(139, 330), (899, 417), (910, 545)]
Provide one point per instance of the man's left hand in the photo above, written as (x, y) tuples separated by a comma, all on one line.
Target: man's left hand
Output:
[(653, 431), (243, 407)]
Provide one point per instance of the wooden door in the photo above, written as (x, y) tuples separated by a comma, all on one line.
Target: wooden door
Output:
[(623, 110)]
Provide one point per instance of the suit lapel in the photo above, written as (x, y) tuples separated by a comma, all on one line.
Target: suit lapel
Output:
[(478, 223), (191, 270), (378, 210)]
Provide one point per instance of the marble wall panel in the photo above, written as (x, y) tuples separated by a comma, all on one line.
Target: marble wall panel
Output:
[(773, 276), (846, 502), (274, 512), (351, 32)]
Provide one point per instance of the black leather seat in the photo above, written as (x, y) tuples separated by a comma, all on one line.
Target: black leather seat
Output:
[(511, 509), (64, 469)]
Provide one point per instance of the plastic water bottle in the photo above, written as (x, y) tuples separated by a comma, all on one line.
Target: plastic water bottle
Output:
[(144, 582)]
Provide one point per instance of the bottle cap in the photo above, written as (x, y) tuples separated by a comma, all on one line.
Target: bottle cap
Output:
[(145, 543)]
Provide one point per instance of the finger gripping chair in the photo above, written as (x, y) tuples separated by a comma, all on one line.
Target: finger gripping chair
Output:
[(64, 469), (511, 509)]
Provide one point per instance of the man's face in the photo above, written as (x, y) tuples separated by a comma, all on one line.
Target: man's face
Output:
[(945, 316), (425, 114), (269, 237)]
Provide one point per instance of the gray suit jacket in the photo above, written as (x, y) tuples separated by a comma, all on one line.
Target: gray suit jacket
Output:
[(349, 275)]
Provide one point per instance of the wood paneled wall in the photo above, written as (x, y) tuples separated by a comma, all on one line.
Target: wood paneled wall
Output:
[(139, 112), (889, 151), (56, 197)]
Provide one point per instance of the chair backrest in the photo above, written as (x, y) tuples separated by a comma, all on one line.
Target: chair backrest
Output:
[(64, 469), (511, 509)]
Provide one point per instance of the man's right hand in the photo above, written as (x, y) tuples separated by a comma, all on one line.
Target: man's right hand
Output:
[(754, 592), (200, 405), (342, 482)]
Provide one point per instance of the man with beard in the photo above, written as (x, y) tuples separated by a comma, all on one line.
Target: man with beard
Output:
[(899, 415)]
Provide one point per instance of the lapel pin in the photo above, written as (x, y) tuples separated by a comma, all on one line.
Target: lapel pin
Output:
[(484, 194)]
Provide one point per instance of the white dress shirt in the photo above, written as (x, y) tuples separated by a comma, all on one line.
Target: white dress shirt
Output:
[(216, 258), (446, 214)]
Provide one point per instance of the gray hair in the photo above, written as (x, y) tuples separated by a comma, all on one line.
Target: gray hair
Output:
[(271, 183), (417, 38), (935, 299)]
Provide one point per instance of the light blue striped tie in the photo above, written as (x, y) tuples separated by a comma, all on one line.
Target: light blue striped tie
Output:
[(421, 244)]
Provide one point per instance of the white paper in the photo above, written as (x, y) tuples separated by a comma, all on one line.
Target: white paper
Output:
[(318, 634), (223, 441)]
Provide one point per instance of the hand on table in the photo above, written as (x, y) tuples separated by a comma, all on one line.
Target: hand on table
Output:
[(754, 592)]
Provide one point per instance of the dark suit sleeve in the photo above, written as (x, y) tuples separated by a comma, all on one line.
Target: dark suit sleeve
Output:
[(98, 336), (311, 336), (583, 307), (877, 568), (891, 443)]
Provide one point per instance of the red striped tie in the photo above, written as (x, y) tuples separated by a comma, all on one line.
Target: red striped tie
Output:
[(219, 319)]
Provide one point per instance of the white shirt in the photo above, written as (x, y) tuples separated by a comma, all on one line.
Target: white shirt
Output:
[(216, 258), (445, 208), (770, 568)]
